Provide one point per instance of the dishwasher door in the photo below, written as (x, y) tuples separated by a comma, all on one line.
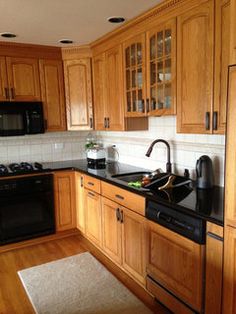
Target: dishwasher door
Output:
[(176, 264)]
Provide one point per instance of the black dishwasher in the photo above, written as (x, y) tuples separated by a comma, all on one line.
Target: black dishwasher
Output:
[(26, 208)]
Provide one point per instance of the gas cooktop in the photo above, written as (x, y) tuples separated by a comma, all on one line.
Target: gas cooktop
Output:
[(20, 168)]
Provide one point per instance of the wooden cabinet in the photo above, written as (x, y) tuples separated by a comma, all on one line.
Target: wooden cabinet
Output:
[(109, 93), (222, 42), (78, 90), (232, 32), (64, 192), (229, 286), (161, 69), (19, 79), (52, 91), (135, 76), (80, 201), (214, 269), (93, 227), (195, 69), (176, 263), (111, 230)]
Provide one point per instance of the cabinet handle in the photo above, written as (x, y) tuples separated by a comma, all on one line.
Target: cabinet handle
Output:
[(147, 103), (121, 216), (7, 93), (117, 214), (91, 194), (119, 197), (108, 123), (91, 123), (45, 124), (143, 105), (105, 123), (81, 181), (12, 93), (207, 120), (215, 116), (91, 183)]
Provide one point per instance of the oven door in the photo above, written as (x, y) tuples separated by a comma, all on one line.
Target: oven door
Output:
[(12, 119), (26, 216)]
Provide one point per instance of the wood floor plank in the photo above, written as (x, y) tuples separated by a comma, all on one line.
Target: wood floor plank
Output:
[(13, 298)]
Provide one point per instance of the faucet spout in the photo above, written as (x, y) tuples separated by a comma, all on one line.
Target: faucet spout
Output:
[(149, 151)]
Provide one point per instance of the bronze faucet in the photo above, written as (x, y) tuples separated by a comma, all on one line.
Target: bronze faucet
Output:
[(148, 153)]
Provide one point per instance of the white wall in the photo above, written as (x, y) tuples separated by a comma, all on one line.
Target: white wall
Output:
[(132, 146)]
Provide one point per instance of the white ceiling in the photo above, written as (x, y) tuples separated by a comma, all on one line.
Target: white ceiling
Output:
[(46, 21)]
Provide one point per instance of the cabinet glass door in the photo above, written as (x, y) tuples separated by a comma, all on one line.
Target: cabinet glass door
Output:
[(135, 76), (161, 69)]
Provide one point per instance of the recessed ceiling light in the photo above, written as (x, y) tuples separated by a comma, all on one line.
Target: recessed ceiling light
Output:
[(8, 35), (65, 41), (116, 19)]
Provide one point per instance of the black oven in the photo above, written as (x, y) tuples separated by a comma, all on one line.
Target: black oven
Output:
[(26, 208), (20, 118)]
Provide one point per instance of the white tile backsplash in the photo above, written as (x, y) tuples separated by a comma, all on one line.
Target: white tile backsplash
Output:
[(131, 146)]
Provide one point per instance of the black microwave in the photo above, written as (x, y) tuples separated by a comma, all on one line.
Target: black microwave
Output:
[(20, 118)]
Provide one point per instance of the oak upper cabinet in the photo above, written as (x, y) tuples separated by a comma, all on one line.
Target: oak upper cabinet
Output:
[(64, 193), (78, 90), (80, 203), (19, 79), (135, 76), (114, 119), (99, 91), (232, 32), (222, 53), (4, 92), (52, 91), (161, 69), (195, 69)]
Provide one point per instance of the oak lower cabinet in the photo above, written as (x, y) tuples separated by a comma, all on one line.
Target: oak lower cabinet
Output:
[(52, 91), (176, 264), (64, 193), (214, 269), (78, 90), (80, 201), (19, 79)]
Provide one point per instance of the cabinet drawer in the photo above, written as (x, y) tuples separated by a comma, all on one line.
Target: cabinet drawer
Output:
[(92, 184), (123, 197)]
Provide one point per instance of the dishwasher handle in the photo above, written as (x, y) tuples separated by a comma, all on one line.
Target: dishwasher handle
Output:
[(163, 217)]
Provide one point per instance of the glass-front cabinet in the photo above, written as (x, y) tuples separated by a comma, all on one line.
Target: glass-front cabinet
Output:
[(161, 69), (134, 73)]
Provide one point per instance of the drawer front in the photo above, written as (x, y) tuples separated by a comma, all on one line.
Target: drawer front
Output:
[(92, 183), (123, 197)]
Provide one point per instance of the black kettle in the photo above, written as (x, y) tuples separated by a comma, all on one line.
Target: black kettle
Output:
[(204, 171)]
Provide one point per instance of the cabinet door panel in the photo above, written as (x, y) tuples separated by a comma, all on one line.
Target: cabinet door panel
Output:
[(133, 242), (52, 90), (232, 32), (176, 263), (222, 42), (3, 80), (64, 189), (99, 89), (111, 228), (93, 216), (114, 103), (23, 78), (78, 94), (195, 69)]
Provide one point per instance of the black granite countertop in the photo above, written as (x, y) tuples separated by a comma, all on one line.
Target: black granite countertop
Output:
[(207, 204)]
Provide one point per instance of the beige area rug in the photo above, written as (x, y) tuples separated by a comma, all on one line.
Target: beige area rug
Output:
[(78, 284)]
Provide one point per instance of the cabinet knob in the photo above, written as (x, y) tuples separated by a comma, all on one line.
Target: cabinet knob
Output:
[(108, 123), (215, 118), (117, 214), (121, 216), (12, 93), (147, 104), (6, 93), (105, 123), (91, 123)]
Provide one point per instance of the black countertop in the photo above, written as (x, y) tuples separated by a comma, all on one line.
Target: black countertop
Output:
[(207, 204)]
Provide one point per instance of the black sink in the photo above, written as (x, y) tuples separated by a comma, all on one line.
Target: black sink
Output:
[(131, 176)]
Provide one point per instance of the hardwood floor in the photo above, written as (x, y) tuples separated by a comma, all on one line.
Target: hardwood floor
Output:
[(13, 298)]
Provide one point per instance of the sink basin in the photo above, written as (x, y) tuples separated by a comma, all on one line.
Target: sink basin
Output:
[(131, 176), (173, 180)]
